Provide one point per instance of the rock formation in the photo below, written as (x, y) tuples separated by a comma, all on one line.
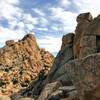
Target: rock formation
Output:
[(75, 73), (21, 62)]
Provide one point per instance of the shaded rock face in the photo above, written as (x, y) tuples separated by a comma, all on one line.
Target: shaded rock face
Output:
[(21, 62), (64, 55), (83, 73)]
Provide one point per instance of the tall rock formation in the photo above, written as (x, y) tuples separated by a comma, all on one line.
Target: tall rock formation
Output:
[(83, 21), (64, 55), (75, 74), (21, 62)]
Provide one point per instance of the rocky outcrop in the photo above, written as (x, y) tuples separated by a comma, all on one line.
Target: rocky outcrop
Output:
[(83, 21), (64, 55), (76, 67), (85, 75), (21, 62), (75, 73)]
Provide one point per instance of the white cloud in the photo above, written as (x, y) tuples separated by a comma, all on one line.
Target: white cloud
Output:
[(54, 27), (12, 24), (92, 6), (6, 34), (43, 21), (27, 18), (20, 24), (67, 18), (64, 3), (8, 10), (50, 43), (42, 29), (26, 22), (29, 27), (38, 11), (12, 1), (15, 16)]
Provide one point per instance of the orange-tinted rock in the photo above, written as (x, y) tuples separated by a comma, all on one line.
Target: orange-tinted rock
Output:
[(21, 62), (10, 42), (83, 21), (77, 65)]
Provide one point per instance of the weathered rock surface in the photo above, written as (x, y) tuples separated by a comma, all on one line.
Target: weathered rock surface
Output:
[(78, 64), (64, 55), (85, 75), (4, 97), (75, 73), (83, 21), (21, 62), (48, 89)]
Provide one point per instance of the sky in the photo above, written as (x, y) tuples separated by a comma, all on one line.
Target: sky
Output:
[(48, 20)]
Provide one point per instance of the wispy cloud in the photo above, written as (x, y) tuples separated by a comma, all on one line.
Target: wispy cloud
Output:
[(50, 43), (51, 18), (64, 3), (38, 11), (9, 9), (42, 29), (92, 6), (67, 18)]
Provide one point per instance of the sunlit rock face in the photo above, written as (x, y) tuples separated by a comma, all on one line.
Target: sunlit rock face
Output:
[(21, 62)]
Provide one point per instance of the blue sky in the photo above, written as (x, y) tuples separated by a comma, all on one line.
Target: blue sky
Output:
[(49, 20)]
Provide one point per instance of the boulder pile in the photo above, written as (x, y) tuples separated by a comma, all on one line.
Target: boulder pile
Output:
[(21, 62)]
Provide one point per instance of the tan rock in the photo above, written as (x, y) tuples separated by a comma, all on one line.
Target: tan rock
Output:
[(83, 20), (21, 62), (10, 42), (84, 16), (85, 74), (3, 97)]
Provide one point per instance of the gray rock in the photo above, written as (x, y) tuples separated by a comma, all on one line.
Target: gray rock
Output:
[(48, 89)]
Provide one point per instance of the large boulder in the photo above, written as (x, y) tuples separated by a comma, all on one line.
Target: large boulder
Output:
[(55, 91), (85, 75), (48, 89), (83, 21), (90, 41)]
